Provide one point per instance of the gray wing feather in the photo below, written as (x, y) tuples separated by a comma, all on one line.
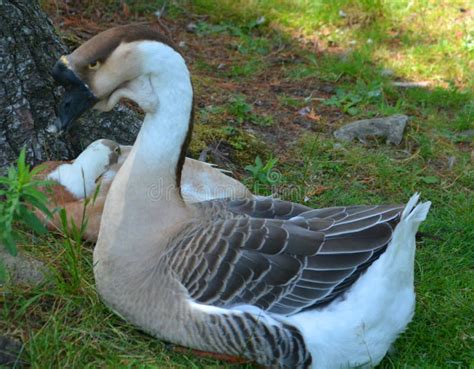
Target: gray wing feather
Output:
[(279, 256), (264, 208)]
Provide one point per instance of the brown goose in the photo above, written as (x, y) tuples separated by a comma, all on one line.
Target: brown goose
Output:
[(268, 280), (76, 181)]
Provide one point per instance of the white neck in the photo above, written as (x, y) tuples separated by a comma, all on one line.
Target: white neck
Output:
[(160, 140), (145, 186)]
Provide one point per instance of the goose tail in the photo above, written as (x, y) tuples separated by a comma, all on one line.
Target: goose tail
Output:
[(401, 251), (415, 212), (358, 330)]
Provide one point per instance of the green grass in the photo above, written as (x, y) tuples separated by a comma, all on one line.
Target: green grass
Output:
[(420, 40), (277, 63)]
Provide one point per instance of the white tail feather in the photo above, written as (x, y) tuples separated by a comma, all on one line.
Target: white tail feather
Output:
[(418, 213), (410, 205)]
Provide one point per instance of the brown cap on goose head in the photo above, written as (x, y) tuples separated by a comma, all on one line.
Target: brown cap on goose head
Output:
[(95, 70)]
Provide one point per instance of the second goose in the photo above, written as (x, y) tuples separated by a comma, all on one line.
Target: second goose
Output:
[(76, 182)]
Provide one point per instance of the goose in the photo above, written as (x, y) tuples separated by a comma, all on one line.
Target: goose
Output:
[(76, 181), (275, 282), (78, 178)]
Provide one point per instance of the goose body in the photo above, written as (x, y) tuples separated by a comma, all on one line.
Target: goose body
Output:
[(76, 182), (278, 283)]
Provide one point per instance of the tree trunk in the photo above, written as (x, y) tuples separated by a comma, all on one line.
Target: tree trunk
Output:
[(29, 47)]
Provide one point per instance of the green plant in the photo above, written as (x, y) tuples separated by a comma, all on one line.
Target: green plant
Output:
[(231, 28), (346, 101), (249, 45), (264, 174), (230, 130), (73, 239), (21, 194), (262, 120), (205, 29), (243, 112), (207, 113), (240, 109), (352, 102), (291, 102), (246, 69)]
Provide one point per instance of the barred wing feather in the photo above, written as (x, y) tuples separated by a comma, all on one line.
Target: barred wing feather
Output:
[(298, 259)]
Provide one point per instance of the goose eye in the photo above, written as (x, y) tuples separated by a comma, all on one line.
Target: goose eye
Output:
[(94, 65), (117, 150)]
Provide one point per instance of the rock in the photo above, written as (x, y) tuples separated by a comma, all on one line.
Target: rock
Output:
[(468, 133), (390, 128), (466, 136), (23, 269), (219, 154), (407, 84), (387, 72), (203, 154), (329, 89), (451, 161), (191, 27), (260, 20), (304, 111), (10, 351), (307, 124), (158, 13)]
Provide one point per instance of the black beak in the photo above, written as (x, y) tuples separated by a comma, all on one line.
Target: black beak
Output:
[(77, 99)]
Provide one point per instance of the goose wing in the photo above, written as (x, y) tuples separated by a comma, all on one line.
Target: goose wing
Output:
[(282, 266), (261, 207), (266, 207)]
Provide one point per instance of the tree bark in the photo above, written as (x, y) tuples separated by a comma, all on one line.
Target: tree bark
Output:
[(29, 47)]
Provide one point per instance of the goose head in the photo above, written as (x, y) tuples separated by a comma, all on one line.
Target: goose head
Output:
[(112, 65), (99, 156)]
